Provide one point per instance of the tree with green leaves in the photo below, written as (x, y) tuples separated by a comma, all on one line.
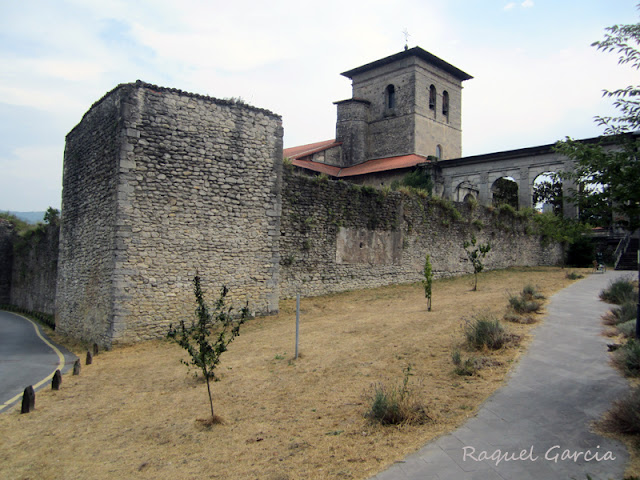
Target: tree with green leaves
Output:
[(624, 40), (206, 339), (476, 253), (427, 283), (549, 192), (608, 174)]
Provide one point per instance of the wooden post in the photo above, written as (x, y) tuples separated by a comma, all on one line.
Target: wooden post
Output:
[(76, 367), (297, 322), (89, 358)]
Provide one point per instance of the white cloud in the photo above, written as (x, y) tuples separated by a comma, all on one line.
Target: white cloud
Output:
[(509, 6), (527, 4)]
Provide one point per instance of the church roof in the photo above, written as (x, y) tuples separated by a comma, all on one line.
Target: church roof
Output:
[(304, 150), (412, 52), (370, 166)]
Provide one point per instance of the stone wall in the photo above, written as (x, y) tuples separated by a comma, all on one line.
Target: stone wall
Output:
[(7, 235), (160, 184), (34, 270), (336, 236)]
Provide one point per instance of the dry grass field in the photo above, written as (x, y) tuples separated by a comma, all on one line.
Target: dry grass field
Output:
[(133, 412)]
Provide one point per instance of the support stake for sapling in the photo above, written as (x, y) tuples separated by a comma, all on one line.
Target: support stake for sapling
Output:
[(297, 323)]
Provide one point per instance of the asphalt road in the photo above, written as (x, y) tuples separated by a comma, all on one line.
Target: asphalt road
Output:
[(27, 357)]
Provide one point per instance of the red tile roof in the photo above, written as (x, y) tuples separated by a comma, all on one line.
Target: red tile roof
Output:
[(304, 150), (371, 166)]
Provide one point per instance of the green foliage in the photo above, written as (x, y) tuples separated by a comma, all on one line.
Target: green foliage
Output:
[(566, 231), (549, 192), (485, 331), (622, 39), (505, 192), (521, 305), (208, 337), (624, 416), (581, 252), (462, 367), (419, 179), (19, 226), (52, 216), (628, 328), (627, 358), (574, 276), (448, 207), (619, 291), (476, 253), (608, 181), (427, 283), (395, 405)]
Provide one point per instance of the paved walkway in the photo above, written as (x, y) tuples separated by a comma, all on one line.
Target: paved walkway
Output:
[(562, 384)]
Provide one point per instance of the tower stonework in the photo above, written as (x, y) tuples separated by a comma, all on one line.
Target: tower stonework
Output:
[(159, 184), (408, 103)]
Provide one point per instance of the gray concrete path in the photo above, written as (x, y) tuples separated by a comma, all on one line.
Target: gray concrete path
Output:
[(27, 357), (559, 387)]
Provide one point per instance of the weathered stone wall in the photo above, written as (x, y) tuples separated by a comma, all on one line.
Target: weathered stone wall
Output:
[(7, 236), (336, 236), (34, 270), (85, 293), (189, 184)]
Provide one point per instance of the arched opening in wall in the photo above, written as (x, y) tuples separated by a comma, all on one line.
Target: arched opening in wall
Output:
[(439, 152), (505, 192), (465, 192), (432, 97), (390, 94), (547, 193), (445, 104)]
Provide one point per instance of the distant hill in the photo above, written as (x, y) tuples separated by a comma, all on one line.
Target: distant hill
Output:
[(29, 217)]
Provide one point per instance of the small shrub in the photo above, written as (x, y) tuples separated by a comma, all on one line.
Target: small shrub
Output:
[(516, 318), (530, 293), (463, 367), (395, 405), (485, 331), (521, 305), (627, 358), (625, 312), (628, 329), (619, 291), (624, 416), (574, 276)]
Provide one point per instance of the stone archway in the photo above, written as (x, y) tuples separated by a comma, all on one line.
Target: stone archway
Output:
[(547, 193), (465, 191), (505, 190)]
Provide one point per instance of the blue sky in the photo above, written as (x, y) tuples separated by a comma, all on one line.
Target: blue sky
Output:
[(537, 79)]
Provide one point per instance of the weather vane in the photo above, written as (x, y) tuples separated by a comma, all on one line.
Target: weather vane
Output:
[(405, 32)]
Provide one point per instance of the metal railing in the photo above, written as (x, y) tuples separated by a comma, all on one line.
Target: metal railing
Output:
[(621, 248)]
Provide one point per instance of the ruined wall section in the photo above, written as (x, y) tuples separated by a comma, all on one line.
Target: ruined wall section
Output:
[(198, 191), (85, 295), (7, 237), (337, 236), (35, 269)]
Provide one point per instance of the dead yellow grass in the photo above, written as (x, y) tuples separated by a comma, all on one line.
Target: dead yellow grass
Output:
[(133, 413)]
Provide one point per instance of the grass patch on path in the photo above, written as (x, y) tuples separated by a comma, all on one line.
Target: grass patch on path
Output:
[(132, 414)]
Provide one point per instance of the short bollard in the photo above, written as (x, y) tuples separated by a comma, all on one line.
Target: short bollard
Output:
[(28, 400), (56, 380), (95, 349), (76, 367), (89, 359)]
